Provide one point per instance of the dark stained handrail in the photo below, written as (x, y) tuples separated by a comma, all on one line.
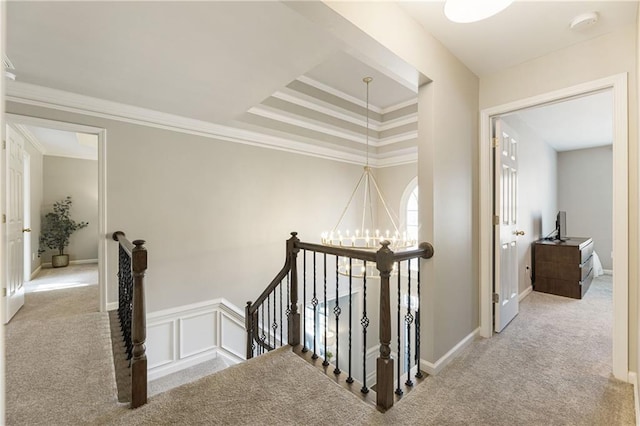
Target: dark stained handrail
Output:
[(384, 259)]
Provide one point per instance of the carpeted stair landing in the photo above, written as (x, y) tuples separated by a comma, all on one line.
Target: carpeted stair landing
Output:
[(551, 366)]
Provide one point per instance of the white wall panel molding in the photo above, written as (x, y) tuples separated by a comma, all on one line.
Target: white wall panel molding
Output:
[(184, 336), (40, 96), (435, 368)]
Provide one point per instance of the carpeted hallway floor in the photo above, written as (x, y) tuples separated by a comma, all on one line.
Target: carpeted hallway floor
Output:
[(549, 367)]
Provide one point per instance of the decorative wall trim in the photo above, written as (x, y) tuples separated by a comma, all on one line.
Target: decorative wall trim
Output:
[(340, 94), (633, 379), (435, 368), (40, 96), (31, 138), (36, 272), (181, 337), (72, 262), (525, 293)]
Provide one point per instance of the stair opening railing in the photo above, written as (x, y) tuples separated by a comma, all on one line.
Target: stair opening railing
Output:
[(334, 320), (132, 266)]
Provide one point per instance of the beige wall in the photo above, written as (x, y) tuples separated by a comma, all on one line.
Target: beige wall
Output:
[(448, 157), (585, 192), (215, 214), (604, 56), (77, 178)]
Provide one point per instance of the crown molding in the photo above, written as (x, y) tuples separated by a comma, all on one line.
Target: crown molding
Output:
[(40, 96), (33, 140), (352, 99)]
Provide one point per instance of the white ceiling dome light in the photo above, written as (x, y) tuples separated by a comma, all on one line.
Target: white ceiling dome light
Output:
[(466, 11), (584, 21)]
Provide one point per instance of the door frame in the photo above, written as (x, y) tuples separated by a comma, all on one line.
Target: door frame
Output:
[(618, 84), (102, 186)]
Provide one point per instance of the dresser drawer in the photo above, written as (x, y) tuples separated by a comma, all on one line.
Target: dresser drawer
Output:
[(586, 252)]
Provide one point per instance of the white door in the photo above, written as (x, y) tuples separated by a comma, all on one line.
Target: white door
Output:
[(14, 292), (505, 232)]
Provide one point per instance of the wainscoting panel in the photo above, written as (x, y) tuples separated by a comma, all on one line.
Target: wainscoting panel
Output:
[(184, 336), (160, 344), (197, 333)]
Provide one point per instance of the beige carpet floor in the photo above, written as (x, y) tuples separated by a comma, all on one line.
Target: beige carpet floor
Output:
[(551, 366), (59, 369)]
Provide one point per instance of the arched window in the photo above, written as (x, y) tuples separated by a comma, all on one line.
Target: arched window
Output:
[(409, 210)]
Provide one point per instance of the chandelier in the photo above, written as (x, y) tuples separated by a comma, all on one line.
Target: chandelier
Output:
[(365, 237)]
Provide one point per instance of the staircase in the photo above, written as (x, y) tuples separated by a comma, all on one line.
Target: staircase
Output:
[(326, 313)]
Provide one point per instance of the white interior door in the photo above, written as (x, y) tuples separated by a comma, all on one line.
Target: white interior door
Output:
[(14, 291), (505, 232)]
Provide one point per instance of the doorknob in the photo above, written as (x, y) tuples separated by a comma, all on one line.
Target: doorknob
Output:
[(519, 232), (26, 230)]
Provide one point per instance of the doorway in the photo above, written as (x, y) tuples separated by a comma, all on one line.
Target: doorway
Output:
[(618, 85), (99, 141)]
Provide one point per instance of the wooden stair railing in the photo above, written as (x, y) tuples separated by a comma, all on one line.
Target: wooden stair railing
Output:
[(265, 332), (132, 265)]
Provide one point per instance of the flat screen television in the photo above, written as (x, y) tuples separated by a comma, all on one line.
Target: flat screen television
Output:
[(561, 226)]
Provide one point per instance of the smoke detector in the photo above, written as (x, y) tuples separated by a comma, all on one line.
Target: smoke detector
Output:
[(584, 21)]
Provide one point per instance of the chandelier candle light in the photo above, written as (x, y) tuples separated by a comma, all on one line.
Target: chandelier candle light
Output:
[(367, 238)]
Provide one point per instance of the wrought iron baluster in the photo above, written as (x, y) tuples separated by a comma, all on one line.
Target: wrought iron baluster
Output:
[(365, 323), (418, 372), (408, 319), (326, 318), (281, 302), (314, 302), (350, 378), (274, 326), (337, 311), (399, 389), (288, 310), (304, 301), (262, 334), (268, 324)]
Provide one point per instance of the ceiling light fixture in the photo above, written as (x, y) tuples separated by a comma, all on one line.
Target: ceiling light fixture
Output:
[(584, 21), (365, 237), (466, 11)]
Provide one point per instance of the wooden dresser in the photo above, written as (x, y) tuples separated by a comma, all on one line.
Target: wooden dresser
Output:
[(564, 268)]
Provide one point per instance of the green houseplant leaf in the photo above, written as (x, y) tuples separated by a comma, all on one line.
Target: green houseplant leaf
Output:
[(57, 227)]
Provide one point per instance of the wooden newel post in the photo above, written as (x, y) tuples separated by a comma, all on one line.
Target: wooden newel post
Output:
[(294, 316), (249, 327), (384, 364), (139, 327)]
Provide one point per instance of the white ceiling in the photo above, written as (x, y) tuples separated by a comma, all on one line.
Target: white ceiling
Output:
[(578, 123), (215, 61), (523, 31), (60, 143)]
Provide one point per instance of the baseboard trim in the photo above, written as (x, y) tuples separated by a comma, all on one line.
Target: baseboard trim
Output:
[(527, 291), (608, 271), (435, 368), (161, 371), (633, 379), (73, 262), (229, 357), (111, 306), (35, 273)]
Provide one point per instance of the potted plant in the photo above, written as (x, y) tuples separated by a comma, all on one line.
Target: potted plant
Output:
[(57, 227)]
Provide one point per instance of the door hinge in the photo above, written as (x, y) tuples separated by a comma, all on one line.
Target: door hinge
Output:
[(4, 292), (496, 220), (494, 143), (4, 218), (496, 298), (4, 144)]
